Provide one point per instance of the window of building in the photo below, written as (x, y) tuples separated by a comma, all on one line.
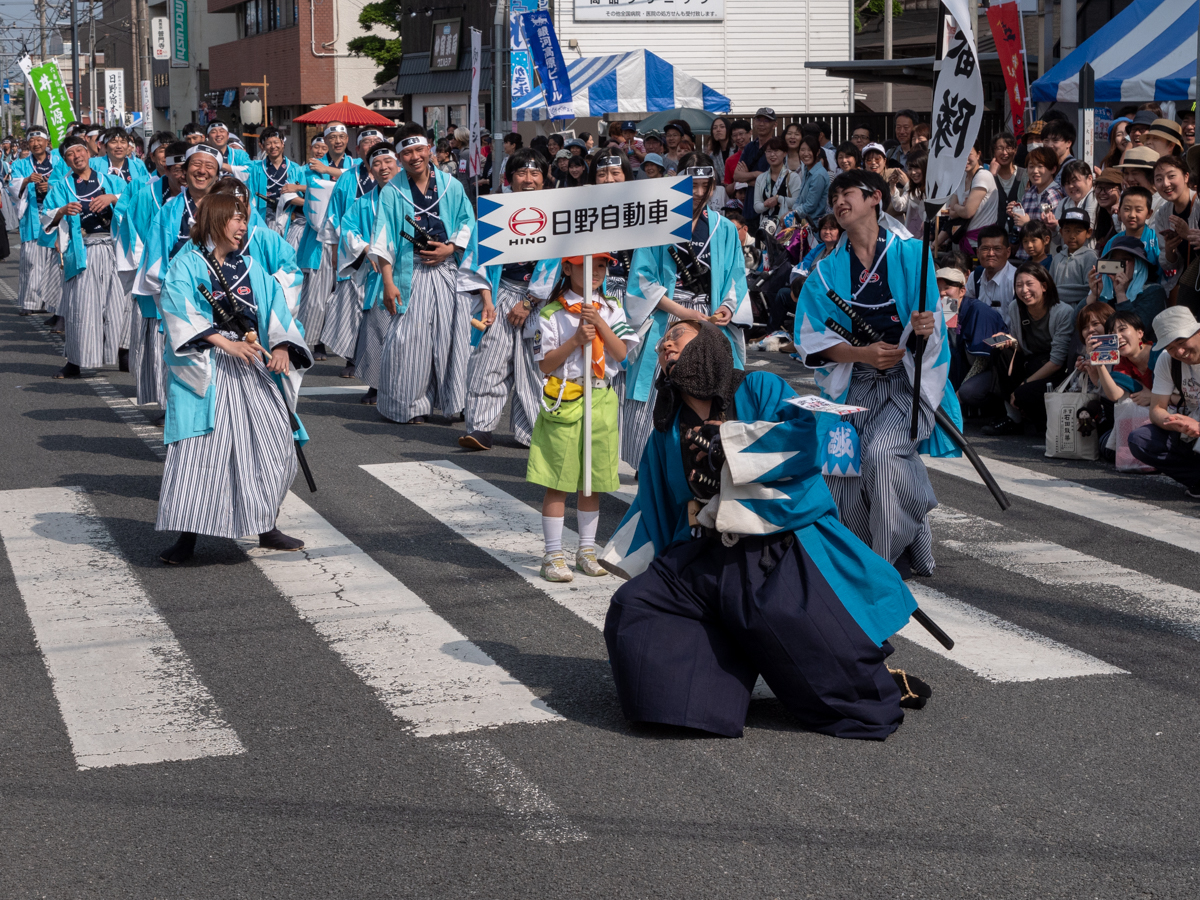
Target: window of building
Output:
[(260, 16)]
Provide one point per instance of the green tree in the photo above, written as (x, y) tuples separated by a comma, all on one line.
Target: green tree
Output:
[(874, 10), (384, 51)]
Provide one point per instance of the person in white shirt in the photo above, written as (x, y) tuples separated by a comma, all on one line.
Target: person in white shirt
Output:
[(777, 189), (980, 204), (993, 283)]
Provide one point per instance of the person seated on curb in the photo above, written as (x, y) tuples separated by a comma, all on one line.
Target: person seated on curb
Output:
[(992, 282), (1040, 329), (1169, 442), (1132, 377)]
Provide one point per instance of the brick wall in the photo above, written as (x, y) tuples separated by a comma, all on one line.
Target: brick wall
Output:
[(295, 76)]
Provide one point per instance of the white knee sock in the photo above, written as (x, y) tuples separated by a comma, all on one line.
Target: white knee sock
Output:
[(588, 523), (552, 528)]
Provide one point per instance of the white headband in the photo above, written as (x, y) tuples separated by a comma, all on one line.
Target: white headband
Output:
[(335, 128), (214, 125), (369, 133), (609, 162), (36, 129), (317, 140), (205, 149), (417, 140), (381, 151), (154, 145)]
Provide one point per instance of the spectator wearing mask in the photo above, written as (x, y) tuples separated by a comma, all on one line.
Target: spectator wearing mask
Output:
[(813, 201), (1035, 242), (1172, 220), (903, 129), (848, 156), (1074, 259), (1134, 213), (752, 161), (1164, 137), (1107, 185), (777, 189), (1042, 326), (1169, 442), (1131, 288), (1043, 194), (1011, 180), (1059, 136), (992, 282), (978, 202)]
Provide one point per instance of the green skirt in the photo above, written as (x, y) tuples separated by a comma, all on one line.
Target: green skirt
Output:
[(556, 452)]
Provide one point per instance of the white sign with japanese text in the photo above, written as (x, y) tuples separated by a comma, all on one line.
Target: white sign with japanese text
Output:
[(643, 10), (114, 95), (595, 218), (957, 108), (160, 37)]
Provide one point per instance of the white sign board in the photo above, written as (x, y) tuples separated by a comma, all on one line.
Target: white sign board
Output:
[(649, 10), (957, 109), (160, 37), (147, 110), (114, 95), (597, 218)]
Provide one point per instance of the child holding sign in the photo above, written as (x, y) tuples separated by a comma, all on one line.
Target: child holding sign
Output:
[(564, 328)]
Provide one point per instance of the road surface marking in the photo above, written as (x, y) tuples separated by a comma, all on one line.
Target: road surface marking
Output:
[(332, 390), (127, 691), (422, 669)]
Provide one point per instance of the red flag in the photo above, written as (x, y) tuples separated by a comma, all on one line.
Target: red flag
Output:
[(1005, 20)]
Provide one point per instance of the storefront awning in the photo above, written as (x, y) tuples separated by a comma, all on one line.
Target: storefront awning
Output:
[(415, 77), (1147, 52), (634, 82)]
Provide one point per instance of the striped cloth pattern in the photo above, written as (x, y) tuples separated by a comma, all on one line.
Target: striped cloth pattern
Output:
[(637, 418), (316, 296), (146, 359), (888, 506), (231, 482), (425, 354), (502, 362), (343, 318), (295, 232), (95, 308), (40, 284), (368, 352)]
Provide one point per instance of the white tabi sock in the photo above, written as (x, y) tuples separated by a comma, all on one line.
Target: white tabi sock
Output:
[(588, 523), (552, 529)]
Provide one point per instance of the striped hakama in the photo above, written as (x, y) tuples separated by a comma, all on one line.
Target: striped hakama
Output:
[(637, 418), (424, 362), (501, 361), (146, 359), (887, 507), (40, 284), (295, 232), (95, 308), (231, 482), (343, 318), (126, 279), (368, 352), (316, 295)]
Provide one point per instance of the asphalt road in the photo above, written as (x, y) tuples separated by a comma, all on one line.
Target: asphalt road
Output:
[(1007, 785)]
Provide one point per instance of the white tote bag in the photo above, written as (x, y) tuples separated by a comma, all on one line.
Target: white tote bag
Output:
[(1127, 418), (1063, 440)]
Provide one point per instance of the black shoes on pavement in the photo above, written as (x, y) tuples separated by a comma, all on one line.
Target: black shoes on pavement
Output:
[(476, 440), (277, 540), (1003, 427)]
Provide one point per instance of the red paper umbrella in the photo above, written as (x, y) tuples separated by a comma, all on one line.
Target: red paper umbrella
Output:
[(345, 112)]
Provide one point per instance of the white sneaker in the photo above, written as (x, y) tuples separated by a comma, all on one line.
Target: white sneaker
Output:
[(554, 567), (585, 562)]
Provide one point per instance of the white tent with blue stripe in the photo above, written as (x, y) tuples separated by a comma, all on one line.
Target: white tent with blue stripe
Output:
[(1147, 52), (634, 82)]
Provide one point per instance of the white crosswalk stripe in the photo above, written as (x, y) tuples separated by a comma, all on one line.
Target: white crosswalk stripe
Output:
[(420, 667), (510, 531), (1143, 519), (125, 687)]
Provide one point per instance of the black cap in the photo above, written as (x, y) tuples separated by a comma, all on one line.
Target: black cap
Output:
[(1077, 217), (765, 112), (1130, 245), (629, 126)]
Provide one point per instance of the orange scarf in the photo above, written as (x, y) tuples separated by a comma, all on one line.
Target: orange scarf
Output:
[(597, 343)]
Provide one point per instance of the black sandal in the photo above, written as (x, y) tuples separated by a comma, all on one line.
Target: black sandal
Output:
[(70, 370), (181, 551), (914, 693), (277, 540)]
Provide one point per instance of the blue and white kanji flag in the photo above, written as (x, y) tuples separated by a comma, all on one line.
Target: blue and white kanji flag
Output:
[(548, 59), (957, 110)]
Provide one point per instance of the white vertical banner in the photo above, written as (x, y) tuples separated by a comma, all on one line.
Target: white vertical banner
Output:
[(473, 112), (957, 108), (114, 96), (147, 110)]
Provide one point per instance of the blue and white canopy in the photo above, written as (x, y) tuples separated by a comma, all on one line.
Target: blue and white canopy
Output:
[(1147, 52), (634, 82)]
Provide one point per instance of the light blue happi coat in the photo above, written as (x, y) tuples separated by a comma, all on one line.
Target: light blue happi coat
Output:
[(68, 236), (317, 197), (272, 251), (358, 224), (26, 201), (257, 182), (904, 279), (135, 229), (343, 196), (771, 483), (160, 246), (652, 276), (395, 202), (191, 396), (138, 173)]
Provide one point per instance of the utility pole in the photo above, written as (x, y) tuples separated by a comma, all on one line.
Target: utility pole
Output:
[(75, 55), (135, 22), (887, 51), (41, 8), (92, 62)]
